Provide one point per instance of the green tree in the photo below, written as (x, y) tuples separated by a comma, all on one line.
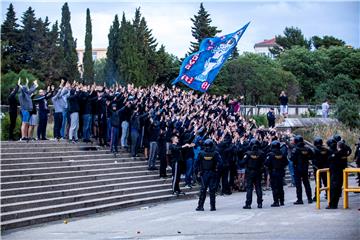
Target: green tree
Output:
[(99, 71), (168, 66), (88, 76), (10, 37), (112, 73), (347, 110), (292, 37), (28, 38), (202, 28), (259, 78), (69, 46), (310, 69), (326, 41)]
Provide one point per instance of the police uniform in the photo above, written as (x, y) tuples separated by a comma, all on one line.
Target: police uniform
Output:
[(300, 157), (276, 163), (320, 160), (254, 162), (337, 163), (208, 166)]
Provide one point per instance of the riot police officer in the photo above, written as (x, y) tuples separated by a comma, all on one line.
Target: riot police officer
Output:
[(337, 163), (276, 163), (208, 166), (320, 160), (300, 156), (254, 166)]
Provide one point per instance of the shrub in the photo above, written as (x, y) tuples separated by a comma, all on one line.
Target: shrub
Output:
[(347, 111), (5, 125), (260, 120), (10, 79)]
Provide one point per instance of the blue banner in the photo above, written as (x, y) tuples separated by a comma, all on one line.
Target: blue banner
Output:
[(198, 71)]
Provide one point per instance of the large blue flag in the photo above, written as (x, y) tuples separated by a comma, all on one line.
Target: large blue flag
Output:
[(199, 70)]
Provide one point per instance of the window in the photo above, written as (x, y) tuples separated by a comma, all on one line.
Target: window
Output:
[(94, 56)]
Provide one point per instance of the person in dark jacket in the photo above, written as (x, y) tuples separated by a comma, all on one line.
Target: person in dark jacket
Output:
[(115, 124), (320, 160), (225, 149), (276, 162), (73, 109), (208, 165), (41, 101), (337, 163), (135, 130), (271, 118), (161, 142), (153, 138), (176, 159), (13, 108), (86, 99), (300, 156), (102, 111)]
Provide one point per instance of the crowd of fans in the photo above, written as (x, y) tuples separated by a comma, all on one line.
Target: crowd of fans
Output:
[(168, 124)]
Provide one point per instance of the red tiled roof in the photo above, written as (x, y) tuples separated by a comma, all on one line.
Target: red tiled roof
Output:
[(266, 43)]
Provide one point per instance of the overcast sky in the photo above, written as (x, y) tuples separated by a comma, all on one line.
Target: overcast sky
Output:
[(171, 25)]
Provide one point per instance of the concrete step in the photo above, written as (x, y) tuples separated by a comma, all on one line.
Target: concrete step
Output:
[(60, 158), (72, 174), (80, 204), (48, 149), (41, 144), (68, 214), (21, 197), (35, 154), (81, 184), (63, 180), (128, 161), (47, 170), (31, 204)]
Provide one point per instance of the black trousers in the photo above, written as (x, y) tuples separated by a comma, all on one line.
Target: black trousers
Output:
[(253, 178), (41, 131), (302, 176), (225, 188), (58, 119), (277, 186), (176, 177), (102, 130), (13, 116), (208, 179), (162, 158), (336, 182)]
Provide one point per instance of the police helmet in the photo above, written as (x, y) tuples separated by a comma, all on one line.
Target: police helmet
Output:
[(254, 142), (318, 141), (331, 143), (337, 137), (208, 144), (275, 145), (298, 139)]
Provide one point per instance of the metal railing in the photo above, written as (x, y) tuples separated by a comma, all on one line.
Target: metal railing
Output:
[(348, 189), (326, 188)]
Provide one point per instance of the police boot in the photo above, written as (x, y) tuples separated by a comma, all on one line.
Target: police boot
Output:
[(212, 205), (200, 204), (281, 202), (247, 207), (275, 204)]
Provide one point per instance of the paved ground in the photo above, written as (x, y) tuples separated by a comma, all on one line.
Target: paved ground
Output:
[(178, 221)]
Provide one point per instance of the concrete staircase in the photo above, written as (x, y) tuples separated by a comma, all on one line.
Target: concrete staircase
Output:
[(48, 181)]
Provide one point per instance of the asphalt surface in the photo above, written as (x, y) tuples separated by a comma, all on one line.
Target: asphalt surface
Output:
[(178, 220)]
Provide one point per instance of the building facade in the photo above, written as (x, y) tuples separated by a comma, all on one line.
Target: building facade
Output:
[(264, 47)]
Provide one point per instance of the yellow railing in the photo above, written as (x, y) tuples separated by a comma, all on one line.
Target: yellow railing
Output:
[(348, 189), (326, 188)]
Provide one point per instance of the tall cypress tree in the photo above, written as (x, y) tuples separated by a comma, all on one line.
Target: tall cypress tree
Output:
[(10, 36), (88, 63), (69, 45), (28, 38), (112, 54), (202, 28)]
